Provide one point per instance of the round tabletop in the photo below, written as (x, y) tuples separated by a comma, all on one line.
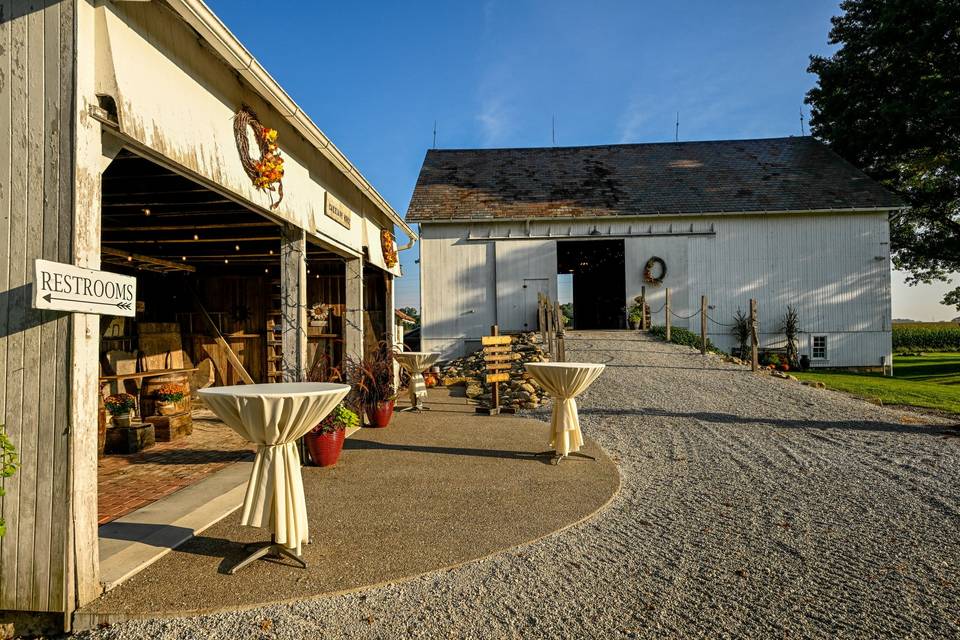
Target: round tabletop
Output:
[(416, 360), (274, 390)]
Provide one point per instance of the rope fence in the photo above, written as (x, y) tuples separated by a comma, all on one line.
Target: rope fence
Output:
[(752, 324)]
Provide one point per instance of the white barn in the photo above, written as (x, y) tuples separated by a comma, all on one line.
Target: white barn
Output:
[(785, 221)]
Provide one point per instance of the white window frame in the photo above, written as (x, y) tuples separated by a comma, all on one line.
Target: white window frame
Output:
[(813, 348)]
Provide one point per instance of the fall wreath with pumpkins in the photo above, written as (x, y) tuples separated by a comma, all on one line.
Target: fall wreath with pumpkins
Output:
[(266, 171), (648, 271)]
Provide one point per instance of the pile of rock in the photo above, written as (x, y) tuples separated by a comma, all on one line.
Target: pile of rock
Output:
[(521, 391)]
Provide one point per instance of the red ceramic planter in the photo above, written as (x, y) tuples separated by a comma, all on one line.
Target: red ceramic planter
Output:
[(325, 448), (379, 415)]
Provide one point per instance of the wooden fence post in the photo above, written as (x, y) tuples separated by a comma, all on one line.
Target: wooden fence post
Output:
[(542, 319), (495, 393), (643, 308), (666, 312), (561, 330), (754, 337), (703, 325)]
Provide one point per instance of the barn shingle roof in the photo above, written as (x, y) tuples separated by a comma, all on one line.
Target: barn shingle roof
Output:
[(776, 174)]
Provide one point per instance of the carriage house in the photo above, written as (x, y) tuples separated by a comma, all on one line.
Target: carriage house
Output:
[(144, 140), (784, 221)]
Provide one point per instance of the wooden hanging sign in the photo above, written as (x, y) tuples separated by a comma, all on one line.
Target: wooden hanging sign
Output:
[(497, 356)]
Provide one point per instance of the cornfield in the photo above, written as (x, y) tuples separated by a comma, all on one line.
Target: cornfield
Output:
[(922, 336)]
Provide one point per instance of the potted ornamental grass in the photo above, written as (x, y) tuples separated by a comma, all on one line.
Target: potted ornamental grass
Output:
[(120, 406), (373, 389), (325, 441), (169, 397)]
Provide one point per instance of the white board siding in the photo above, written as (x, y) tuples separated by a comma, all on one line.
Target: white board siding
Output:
[(458, 289), (36, 168), (826, 266), (673, 251), (834, 268), (522, 269)]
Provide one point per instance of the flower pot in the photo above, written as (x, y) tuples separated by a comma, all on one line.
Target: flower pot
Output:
[(167, 407), (379, 414), (325, 448), (122, 419)]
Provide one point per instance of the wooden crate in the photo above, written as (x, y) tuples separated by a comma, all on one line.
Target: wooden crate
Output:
[(168, 428), (137, 437)]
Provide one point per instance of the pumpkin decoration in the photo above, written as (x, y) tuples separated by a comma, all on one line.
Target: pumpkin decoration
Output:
[(387, 246)]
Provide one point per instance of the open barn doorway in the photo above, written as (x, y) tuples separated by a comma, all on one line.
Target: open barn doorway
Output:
[(209, 312), (599, 282)]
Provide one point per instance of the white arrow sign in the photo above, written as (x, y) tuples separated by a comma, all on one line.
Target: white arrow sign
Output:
[(64, 287)]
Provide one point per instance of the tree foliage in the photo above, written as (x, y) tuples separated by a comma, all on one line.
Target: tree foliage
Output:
[(8, 466), (888, 101)]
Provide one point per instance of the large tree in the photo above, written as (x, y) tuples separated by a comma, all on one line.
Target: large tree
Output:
[(888, 101)]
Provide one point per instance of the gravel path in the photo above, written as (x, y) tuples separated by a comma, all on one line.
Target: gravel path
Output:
[(750, 507)]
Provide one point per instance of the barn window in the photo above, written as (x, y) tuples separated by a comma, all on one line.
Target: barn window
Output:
[(820, 347)]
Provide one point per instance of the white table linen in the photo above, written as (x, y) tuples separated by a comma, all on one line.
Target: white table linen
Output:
[(564, 381), (416, 362), (274, 417)]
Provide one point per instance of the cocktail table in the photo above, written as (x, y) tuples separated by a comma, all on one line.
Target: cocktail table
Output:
[(274, 417), (415, 363), (564, 381)]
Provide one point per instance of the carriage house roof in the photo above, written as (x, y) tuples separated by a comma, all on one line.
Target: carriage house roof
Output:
[(726, 176)]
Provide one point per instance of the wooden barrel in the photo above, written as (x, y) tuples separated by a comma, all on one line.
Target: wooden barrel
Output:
[(148, 393)]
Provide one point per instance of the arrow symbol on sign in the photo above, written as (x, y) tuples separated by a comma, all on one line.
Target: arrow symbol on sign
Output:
[(119, 305)]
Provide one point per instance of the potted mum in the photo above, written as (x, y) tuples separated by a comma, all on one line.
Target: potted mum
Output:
[(120, 406), (325, 441), (168, 398)]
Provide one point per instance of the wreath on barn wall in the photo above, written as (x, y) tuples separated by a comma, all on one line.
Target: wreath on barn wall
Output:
[(266, 172), (389, 252), (648, 271)]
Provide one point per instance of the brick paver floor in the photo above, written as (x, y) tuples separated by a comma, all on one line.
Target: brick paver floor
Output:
[(128, 482)]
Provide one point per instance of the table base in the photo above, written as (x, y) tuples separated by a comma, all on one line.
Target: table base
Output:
[(416, 407), (267, 549), (555, 457)]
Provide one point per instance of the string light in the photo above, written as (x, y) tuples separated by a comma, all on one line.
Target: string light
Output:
[(196, 237), (226, 261), (237, 247), (146, 211)]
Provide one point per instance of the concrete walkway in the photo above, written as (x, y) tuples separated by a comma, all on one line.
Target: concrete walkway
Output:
[(432, 490), (750, 507)]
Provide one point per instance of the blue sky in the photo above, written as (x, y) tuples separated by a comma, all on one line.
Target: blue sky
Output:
[(376, 75)]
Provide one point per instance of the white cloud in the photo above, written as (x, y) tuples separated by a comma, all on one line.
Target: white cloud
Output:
[(494, 120)]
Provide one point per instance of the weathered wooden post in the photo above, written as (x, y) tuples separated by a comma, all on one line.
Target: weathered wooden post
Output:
[(666, 312), (542, 319), (703, 325), (561, 330), (495, 393), (497, 358), (643, 308), (551, 327), (754, 337)]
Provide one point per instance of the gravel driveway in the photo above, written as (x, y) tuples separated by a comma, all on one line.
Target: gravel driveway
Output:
[(750, 507)]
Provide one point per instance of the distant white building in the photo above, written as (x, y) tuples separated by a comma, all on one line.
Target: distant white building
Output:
[(785, 221)]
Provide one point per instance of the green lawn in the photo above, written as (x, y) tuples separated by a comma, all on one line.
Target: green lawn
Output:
[(931, 381)]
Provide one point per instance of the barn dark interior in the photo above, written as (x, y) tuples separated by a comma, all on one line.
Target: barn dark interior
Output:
[(599, 282)]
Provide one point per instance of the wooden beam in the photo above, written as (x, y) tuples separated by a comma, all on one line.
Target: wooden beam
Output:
[(353, 316), (218, 337), (136, 257), (192, 241), (293, 303), (192, 227)]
